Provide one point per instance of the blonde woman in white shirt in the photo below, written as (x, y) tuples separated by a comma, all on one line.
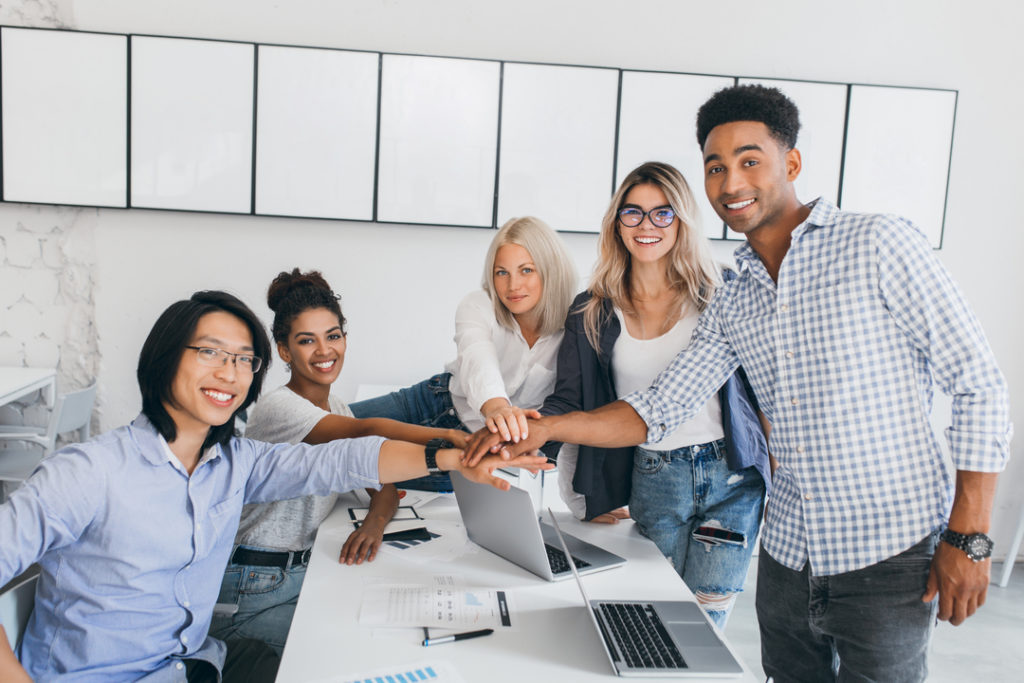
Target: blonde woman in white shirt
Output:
[(507, 334)]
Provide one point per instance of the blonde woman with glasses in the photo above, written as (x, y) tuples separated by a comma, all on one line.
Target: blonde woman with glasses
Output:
[(698, 494)]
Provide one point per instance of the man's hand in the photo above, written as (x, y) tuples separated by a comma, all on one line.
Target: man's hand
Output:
[(960, 583), (483, 471)]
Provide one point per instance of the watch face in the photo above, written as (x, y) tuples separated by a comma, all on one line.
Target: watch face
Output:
[(979, 546)]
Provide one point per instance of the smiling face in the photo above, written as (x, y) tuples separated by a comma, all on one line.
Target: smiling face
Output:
[(647, 243), (748, 175), (315, 349), (516, 280), (204, 396)]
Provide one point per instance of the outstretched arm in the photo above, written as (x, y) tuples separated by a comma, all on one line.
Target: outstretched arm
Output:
[(961, 583), (613, 425), (333, 427), (400, 461)]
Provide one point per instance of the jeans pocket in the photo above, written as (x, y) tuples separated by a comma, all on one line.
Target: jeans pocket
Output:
[(257, 580), (648, 462)]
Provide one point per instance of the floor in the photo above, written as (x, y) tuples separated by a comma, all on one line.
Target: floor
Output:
[(987, 648)]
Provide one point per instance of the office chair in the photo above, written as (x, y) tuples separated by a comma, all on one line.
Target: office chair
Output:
[(15, 607), (71, 413)]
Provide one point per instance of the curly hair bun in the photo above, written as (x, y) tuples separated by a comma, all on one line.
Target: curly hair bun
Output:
[(288, 283)]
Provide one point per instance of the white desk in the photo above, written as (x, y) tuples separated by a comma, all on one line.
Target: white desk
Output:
[(553, 641), (18, 383)]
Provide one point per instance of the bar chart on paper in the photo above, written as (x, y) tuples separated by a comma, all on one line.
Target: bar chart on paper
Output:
[(431, 672)]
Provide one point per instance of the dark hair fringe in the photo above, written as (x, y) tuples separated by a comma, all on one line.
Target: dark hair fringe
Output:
[(163, 349), (751, 102), (295, 292)]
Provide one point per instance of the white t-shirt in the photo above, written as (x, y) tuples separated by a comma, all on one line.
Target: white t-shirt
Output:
[(282, 416), (637, 362), (495, 361)]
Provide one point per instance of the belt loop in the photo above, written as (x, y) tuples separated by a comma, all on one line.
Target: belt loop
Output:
[(288, 562)]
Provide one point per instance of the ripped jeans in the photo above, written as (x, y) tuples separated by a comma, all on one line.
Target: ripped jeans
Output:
[(675, 493)]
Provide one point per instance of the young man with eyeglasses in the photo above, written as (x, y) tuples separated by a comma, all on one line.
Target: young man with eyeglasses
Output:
[(842, 322), (132, 530)]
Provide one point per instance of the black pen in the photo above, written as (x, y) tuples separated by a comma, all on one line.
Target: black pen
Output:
[(458, 636)]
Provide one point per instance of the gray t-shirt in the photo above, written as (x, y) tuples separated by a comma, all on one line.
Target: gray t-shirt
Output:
[(282, 416)]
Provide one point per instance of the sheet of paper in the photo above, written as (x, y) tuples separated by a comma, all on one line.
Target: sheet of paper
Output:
[(431, 671), (444, 604)]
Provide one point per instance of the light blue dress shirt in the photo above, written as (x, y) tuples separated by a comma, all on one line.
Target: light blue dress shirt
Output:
[(842, 353), (132, 549)]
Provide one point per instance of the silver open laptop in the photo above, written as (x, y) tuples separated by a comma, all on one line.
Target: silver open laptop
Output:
[(505, 523), (660, 638)]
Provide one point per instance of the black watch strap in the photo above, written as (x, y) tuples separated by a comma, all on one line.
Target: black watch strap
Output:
[(430, 454), (977, 546)]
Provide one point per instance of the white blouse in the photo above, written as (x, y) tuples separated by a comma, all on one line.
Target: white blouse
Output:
[(494, 361), (637, 362)]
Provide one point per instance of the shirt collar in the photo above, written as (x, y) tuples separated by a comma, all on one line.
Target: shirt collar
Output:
[(154, 447), (823, 213)]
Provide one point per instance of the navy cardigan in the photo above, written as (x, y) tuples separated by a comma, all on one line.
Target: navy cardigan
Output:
[(585, 381)]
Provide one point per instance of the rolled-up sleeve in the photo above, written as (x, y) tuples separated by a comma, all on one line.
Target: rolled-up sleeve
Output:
[(932, 311)]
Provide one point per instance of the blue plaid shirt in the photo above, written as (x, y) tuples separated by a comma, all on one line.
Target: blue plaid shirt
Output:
[(841, 354)]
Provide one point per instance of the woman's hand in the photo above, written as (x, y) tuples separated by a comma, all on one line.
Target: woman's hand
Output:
[(505, 419), (611, 517), (483, 471), (457, 438), (362, 544)]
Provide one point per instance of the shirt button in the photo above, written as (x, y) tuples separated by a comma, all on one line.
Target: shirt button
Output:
[(187, 567), (783, 307), (179, 666), (184, 638), (789, 354), (199, 525), (794, 401), (187, 603), (808, 496), (799, 449)]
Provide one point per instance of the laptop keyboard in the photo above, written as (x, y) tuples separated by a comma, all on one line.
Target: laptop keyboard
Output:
[(556, 558), (640, 636)]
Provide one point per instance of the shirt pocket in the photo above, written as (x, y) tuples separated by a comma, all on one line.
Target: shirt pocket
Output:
[(222, 519)]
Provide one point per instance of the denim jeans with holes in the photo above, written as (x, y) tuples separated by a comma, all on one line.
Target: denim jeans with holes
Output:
[(429, 404), (675, 492)]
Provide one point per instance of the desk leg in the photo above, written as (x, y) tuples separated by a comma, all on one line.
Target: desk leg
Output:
[(1011, 555)]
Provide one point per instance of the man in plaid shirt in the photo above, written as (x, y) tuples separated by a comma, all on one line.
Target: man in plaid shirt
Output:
[(842, 322)]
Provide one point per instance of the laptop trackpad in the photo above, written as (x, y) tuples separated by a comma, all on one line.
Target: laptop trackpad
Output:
[(693, 635)]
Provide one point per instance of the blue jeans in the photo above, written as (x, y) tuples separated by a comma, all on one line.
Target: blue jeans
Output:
[(266, 598), (674, 493), (865, 625), (428, 404)]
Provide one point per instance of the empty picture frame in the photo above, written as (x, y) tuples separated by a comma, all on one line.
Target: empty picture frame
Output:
[(438, 140), (657, 122), (65, 113), (557, 144), (316, 132), (191, 125), (898, 146)]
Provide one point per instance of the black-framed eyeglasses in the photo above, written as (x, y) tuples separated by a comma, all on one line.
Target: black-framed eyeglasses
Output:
[(659, 216), (218, 358)]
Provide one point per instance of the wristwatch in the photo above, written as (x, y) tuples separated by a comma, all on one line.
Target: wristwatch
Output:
[(431, 454), (977, 546)]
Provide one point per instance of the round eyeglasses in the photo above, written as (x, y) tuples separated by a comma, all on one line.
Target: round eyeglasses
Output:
[(218, 358), (659, 216)]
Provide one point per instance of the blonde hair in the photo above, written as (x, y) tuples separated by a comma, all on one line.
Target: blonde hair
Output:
[(692, 272), (555, 267)]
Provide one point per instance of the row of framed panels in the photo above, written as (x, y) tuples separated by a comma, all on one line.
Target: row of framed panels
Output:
[(200, 125)]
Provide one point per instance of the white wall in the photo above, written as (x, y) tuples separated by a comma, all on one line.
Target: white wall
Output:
[(400, 284)]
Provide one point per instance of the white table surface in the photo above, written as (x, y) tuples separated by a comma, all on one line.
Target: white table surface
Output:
[(553, 639), (17, 383)]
